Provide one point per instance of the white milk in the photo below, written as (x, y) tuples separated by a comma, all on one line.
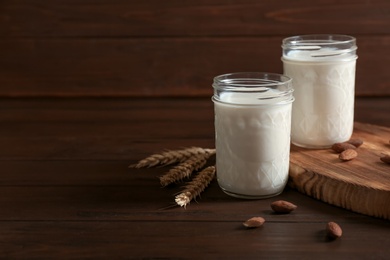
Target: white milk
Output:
[(252, 143), (324, 90)]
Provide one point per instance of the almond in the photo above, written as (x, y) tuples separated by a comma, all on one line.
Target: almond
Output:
[(340, 147), (333, 230), (282, 206), (254, 222), (385, 159), (355, 142), (348, 155)]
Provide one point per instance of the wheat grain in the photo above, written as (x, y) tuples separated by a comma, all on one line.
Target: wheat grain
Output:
[(184, 169), (196, 186), (172, 156)]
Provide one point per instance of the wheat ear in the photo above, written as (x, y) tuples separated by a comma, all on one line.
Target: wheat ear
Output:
[(172, 156), (196, 186), (183, 170)]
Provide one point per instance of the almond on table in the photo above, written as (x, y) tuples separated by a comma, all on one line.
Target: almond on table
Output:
[(282, 206), (340, 147), (333, 230), (355, 142), (348, 155), (254, 222)]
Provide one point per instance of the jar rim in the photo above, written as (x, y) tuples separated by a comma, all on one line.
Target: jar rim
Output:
[(288, 100), (319, 48), (319, 39), (252, 88), (251, 80)]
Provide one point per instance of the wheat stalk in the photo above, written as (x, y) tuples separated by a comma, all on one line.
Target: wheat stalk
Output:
[(196, 186), (172, 156), (184, 169)]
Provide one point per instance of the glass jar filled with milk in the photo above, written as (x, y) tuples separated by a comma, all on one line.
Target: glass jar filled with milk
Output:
[(322, 68), (252, 132)]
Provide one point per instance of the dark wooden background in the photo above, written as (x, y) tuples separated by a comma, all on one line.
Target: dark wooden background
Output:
[(154, 48), (88, 87)]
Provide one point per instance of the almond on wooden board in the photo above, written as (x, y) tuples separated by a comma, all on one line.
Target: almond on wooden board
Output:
[(340, 147), (385, 159), (355, 142), (348, 155), (254, 222), (333, 230), (282, 206)]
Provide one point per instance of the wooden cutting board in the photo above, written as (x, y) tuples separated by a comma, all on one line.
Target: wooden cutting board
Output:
[(361, 185)]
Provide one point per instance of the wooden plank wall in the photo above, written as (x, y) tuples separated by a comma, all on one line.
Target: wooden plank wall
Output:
[(153, 48)]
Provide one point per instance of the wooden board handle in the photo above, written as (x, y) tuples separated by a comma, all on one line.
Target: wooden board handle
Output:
[(357, 198)]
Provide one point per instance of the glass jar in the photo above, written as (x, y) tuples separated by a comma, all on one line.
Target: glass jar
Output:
[(252, 132), (322, 68)]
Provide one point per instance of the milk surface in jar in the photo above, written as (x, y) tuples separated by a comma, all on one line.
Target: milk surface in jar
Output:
[(323, 71), (252, 126)]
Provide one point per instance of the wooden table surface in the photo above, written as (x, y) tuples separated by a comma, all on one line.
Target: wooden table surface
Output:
[(67, 192)]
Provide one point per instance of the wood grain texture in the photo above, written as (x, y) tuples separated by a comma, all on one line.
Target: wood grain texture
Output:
[(153, 18), (157, 66), (172, 48), (67, 192), (186, 240), (119, 129), (361, 185)]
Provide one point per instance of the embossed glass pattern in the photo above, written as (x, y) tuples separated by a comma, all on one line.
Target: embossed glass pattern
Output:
[(252, 124), (323, 71)]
